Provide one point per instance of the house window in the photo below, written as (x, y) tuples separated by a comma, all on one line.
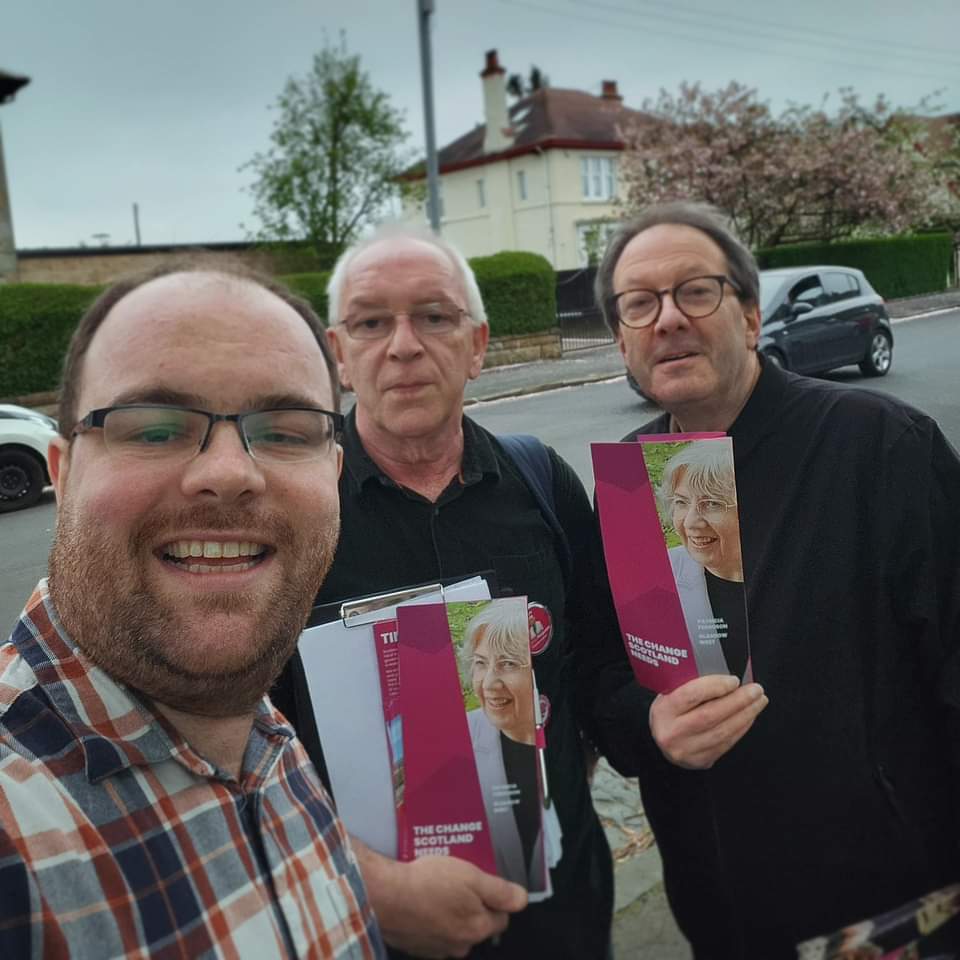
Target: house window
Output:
[(598, 178), (481, 194), (522, 184), (592, 239)]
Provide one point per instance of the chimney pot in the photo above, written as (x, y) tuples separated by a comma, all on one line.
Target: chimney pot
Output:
[(610, 90), (492, 65)]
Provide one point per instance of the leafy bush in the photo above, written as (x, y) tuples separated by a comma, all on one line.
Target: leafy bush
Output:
[(312, 287), (36, 322), (896, 266), (519, 292), (37, 319)]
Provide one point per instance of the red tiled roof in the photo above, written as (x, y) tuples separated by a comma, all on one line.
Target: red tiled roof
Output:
[(550, 117)]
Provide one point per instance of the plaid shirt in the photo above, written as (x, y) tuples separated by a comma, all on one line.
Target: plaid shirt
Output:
[(118, 840)]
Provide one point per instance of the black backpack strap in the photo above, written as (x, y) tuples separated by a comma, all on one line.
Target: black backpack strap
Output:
[(532, 459)]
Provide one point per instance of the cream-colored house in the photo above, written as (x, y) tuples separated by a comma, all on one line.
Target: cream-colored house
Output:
[(539, 175)]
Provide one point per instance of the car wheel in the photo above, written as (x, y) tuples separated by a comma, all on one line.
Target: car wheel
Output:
[(21, 480), (879, 356), (775, 358)]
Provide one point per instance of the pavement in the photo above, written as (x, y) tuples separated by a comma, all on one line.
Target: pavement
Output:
[(643, 925)]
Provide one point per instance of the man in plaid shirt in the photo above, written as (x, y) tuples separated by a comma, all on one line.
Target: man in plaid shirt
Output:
[(152, 801)]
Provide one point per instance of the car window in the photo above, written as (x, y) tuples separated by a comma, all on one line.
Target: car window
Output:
[(808, 290), (840, 286)]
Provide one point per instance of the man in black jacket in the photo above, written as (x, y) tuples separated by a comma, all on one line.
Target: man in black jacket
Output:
[(839, 800), (429, 495)]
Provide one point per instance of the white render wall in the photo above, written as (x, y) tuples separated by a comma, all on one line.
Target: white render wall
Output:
[(545, 222)]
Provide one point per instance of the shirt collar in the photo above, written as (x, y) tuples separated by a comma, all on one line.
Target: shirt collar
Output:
[(479, 457), (114, 727)]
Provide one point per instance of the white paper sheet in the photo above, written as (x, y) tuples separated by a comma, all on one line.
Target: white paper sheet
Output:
[(340, 663)]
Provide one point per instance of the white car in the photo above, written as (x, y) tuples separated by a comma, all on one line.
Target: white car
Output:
[(25, 436)]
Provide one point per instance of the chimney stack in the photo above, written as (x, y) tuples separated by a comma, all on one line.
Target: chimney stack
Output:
[(495, 115), (610, 91)]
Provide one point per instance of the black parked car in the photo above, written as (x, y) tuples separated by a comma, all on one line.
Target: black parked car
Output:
[(819, 318)]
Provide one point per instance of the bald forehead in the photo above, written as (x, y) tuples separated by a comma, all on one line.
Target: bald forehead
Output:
[(198, 295), (201, 322), (396, 249)]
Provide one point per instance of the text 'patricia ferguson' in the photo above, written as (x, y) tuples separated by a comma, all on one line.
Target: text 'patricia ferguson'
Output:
[(654, 653), (435, 841)]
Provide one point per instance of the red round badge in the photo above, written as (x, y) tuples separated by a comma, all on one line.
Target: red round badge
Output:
[(544, 710), (541, 627)]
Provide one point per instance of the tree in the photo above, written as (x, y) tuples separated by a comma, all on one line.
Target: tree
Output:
[(334, 158), (805, 174)]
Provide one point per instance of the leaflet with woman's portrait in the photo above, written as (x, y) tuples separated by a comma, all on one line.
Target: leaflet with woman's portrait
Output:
[(671, 538), (470, 766)]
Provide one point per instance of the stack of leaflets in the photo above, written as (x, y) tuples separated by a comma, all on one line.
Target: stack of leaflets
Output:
[(671, 538), (461, 714), (425, 701)]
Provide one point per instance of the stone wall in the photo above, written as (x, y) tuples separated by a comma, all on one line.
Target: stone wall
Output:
[(521, 349)]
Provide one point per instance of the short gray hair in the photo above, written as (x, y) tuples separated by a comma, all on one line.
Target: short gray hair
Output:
[(708, 469), (506, 628), (741, 264), (394, 231)]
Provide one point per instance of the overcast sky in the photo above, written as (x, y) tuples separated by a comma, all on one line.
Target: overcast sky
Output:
[(161, 103)]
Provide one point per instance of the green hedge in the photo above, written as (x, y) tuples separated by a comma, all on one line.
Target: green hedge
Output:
[(36, 321), (896, 266), (312, 287), (519, 291)]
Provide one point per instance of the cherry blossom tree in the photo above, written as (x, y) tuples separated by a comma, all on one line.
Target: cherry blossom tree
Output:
[(804, 174)]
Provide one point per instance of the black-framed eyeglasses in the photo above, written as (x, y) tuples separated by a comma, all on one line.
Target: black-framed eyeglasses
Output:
[(432, 319), (695, 298), (172, 434)]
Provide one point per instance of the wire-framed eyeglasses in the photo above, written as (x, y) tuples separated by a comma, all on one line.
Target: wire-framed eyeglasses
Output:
[(432, 319), (708, 508), (172, 434), (695, 298)]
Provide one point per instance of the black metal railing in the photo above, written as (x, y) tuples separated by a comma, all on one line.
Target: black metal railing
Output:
[(579, 319)]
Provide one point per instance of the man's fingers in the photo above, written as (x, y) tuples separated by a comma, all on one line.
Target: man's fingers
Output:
[(714, 713), (699, 745), (694, 692), (500, 895), (715, 742)]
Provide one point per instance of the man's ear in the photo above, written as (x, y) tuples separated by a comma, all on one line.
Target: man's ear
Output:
[(620, 343), (333, 339), (751, 314), (481, 337), (339, 460), (58, 460)]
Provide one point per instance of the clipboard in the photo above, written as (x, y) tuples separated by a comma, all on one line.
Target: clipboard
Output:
[(342, 679)]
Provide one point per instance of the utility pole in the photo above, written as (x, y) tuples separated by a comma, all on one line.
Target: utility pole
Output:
[(425, 9), (9, 85), (136, 222)]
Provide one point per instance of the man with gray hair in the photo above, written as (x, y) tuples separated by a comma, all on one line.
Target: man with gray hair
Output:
[(839, 800), (429, 495)]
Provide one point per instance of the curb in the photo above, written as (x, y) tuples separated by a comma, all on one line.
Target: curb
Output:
[(511, 393)]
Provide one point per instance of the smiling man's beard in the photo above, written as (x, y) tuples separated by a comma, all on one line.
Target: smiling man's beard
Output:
[(142, 639)]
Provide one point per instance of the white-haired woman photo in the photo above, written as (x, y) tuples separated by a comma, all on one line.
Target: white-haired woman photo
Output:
[(496, 665), (698, 495)]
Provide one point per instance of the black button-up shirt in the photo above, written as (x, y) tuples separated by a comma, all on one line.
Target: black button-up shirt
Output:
[(488, 520)]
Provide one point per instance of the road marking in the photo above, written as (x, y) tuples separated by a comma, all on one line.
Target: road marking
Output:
[(929, 313)]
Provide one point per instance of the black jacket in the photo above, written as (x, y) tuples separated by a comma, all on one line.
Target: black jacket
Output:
[(842, 800)]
